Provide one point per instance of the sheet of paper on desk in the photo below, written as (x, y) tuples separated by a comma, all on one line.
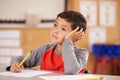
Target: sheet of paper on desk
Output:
[(72, 77), (24, 73)]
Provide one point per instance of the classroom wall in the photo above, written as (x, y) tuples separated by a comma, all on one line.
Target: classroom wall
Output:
[(33, 37), (39, 16), (112, 33), (110, 30), (13, 9)]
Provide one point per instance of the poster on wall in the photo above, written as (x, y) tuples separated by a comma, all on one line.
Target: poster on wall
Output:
[(97, 35), (89, 10), (107, 13)]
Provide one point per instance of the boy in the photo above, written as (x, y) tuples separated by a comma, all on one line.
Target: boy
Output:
[(62, 55)]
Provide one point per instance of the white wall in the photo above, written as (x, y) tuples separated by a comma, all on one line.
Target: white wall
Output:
[(17, 9)]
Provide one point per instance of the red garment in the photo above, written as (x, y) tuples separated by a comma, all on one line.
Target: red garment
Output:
[(53, 61)]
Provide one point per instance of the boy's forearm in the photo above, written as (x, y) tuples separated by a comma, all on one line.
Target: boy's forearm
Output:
[(71, 63), (69, 57), (17, 59)]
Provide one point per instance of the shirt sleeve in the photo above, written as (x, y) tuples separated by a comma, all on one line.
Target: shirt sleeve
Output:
[(74, 59), (33, 60)]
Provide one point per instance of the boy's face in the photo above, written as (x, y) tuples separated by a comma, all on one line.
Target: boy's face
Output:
[(60, 30)]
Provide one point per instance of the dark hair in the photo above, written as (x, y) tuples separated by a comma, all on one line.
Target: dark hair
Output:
[(76, 18)]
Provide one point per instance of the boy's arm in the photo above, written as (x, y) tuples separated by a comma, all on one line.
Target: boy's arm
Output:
[(74, 59), (15, 60), (33, 60)]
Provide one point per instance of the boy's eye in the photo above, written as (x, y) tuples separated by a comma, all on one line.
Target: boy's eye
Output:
[(63, 29), (55, 25)]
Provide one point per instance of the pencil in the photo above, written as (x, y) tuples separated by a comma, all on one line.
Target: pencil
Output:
[(28, 54)]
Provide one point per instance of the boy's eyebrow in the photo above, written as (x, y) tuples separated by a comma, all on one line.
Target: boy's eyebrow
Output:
[(65, 27), (56, 22), (62, 25)]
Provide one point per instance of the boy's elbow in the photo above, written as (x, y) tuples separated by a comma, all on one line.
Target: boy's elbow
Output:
[(70, 72)]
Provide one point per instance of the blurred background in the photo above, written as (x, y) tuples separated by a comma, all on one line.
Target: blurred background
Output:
[(26, 24)]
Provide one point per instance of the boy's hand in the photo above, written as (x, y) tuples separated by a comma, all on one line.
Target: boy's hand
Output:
[(75, 35), (15, 67)]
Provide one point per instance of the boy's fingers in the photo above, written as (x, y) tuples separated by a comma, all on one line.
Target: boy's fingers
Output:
[(80, 33), (18, 66), (76, 29), (81, 30), (15, 68), (22, 67), (79, 38)]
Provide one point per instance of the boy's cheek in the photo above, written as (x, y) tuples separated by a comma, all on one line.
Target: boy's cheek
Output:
[(61, 39)]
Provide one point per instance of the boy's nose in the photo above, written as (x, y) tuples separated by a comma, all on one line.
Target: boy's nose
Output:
[(57, 31)]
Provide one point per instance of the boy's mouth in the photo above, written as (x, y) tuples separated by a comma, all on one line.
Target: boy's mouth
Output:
[(54, 36)]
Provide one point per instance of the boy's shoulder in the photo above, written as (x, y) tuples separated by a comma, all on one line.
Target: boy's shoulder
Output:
[(46, 46), (49, 45)]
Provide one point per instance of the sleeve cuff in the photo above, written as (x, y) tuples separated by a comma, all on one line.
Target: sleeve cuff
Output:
[(8, 68)]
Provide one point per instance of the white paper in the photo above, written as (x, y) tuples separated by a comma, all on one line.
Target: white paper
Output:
[(89, 9), (107, 13), (69, 77), (24, 73)]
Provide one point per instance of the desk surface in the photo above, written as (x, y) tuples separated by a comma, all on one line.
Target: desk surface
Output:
[(2, 68)]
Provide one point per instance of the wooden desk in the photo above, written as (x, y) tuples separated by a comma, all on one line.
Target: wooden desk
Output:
[(2, 68)]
